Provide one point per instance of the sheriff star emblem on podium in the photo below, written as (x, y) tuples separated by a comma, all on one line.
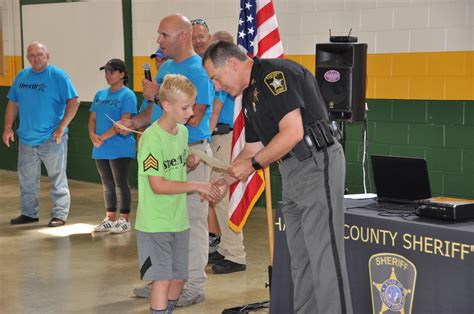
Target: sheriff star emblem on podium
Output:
[(395, 293), (150, 163)]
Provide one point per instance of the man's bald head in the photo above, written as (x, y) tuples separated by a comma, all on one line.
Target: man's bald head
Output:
[(179, 22), (174, 37), (37, 55), (38, 45)]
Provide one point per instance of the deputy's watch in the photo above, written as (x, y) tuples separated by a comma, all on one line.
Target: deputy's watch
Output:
[(156, 99), (255, 164)]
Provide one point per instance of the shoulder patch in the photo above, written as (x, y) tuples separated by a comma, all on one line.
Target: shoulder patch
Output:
[(276, 82), (150, 162)]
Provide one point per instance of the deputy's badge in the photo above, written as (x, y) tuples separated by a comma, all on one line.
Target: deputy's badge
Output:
[(276, 82), (150, 162), (392, 279)]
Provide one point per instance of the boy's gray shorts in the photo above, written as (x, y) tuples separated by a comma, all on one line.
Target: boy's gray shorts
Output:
[(163, 255)]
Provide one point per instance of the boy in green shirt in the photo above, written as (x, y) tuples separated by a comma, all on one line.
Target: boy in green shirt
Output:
[(162, 222)]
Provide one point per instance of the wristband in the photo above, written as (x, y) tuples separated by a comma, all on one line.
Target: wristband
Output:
[(255, 164)]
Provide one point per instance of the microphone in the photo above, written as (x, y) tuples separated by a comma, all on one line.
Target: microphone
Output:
[(147, 71)]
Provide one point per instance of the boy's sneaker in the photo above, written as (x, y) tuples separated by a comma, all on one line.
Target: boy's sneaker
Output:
[(105, 225), (188, 298), (121, 226), (143, 291)]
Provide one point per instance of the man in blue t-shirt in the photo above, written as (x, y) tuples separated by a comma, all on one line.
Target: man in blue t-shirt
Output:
[(175, 40), (46, 102)]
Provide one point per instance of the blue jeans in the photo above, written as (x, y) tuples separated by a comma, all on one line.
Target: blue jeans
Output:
[(54, 158)]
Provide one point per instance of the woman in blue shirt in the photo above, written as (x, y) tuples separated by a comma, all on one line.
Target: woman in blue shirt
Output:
[(112, 151)]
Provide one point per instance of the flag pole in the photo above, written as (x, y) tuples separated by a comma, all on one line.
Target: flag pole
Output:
[(268, 204)]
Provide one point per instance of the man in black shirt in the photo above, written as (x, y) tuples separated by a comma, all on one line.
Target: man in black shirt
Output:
[(286, 121)]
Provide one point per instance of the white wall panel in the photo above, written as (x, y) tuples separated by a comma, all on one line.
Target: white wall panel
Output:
[(301, 44), (76, 31), (360, 4), (330, 5), (370, 38), (280, 6), (320, 38), (390, 41), (301, 6), (428, 40), (202, 9), (150, 11), (459, 39), (180, 6), (11, 27), (343, 21), (385, 25), (392, 3), (289, 24), (145, 30), (411, 17), (380, 19), (229, 8), (315, 23), (448, 14)]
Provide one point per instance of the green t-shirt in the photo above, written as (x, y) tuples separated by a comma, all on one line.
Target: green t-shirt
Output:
[(162, 154)]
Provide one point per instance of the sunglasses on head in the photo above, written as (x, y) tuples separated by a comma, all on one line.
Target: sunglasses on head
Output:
[(198, 21)]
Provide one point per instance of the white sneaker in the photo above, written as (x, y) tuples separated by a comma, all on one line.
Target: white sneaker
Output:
[(105, 225), (121, 226)]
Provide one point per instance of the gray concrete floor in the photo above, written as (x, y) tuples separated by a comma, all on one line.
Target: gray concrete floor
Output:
[(71, 270)]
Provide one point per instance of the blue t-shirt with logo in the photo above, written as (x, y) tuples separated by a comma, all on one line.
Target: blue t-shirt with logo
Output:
[(193, 70), (227, 112), (113, 104), (41, 98)]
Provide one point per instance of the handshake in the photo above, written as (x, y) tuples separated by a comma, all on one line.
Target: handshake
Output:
[(213, 190)]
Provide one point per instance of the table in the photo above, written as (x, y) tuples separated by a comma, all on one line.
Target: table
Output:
[(395, 263)]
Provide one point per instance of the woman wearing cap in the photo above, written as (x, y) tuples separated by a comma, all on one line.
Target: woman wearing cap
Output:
[(113, 152)]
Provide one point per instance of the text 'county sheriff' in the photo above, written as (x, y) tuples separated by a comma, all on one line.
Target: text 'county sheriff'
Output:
[(408, 241)]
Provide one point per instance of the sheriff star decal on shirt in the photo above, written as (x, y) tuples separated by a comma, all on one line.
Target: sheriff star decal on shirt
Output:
[(150, 163), (275, 82)]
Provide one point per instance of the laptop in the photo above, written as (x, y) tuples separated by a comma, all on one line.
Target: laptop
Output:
[(400, 180)]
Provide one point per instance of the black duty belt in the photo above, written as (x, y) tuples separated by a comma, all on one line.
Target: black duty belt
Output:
[(318, 135)]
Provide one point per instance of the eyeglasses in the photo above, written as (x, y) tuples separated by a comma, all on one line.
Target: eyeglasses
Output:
[(199, 22)]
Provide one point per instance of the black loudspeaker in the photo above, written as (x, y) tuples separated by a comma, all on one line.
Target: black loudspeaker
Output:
[(341, 73)]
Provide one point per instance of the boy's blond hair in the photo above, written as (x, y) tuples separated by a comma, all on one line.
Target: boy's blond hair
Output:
[(175, 87)]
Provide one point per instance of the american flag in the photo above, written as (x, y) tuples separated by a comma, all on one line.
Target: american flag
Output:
[(258, 34)]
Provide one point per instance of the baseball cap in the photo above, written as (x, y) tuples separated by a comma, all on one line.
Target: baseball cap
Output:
[(114, 65), (158, 53)]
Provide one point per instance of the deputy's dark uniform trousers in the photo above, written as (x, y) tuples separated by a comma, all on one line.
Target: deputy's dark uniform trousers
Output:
[(314, 216)]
